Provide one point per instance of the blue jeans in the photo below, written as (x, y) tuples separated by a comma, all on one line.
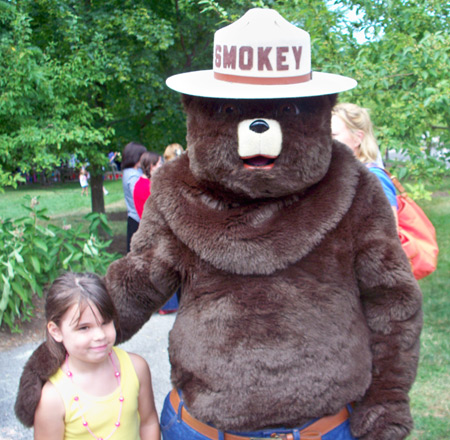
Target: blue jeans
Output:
[(173, 428)]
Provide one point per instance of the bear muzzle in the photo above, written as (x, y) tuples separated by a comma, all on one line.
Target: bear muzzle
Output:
[(259, 143)]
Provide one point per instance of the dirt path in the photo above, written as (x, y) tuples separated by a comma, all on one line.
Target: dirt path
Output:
[(32, 330)]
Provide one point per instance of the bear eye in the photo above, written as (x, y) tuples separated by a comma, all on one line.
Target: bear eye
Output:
[(288, 109), (230, 108)]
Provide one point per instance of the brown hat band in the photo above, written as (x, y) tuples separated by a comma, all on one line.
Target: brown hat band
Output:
[(263, 81)]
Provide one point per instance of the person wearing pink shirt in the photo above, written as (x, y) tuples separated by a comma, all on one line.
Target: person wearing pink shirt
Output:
[(149, 162)]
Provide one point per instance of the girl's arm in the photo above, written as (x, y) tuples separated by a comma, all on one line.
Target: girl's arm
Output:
[(49, 416), (149, 429)]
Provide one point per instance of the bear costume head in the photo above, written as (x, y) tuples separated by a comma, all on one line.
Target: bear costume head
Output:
[(265, 132), (296, 296)]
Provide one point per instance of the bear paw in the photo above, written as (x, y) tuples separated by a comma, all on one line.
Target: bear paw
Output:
[(389, 421)]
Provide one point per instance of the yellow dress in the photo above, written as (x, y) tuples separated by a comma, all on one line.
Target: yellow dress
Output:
[(101, 413)]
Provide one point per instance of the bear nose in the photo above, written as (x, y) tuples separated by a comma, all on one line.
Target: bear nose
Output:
[(259, 126)]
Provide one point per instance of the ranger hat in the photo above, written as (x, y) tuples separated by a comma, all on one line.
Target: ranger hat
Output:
[(260, 56)]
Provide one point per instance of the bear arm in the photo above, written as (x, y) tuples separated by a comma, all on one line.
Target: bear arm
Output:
[(141, 282), (38, 369), (391, 301)]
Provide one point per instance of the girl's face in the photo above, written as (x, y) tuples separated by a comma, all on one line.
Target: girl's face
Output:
[(342, 133), (86, 336), (157, 165)]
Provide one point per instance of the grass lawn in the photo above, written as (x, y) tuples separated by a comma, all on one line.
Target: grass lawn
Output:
[(60, 200), (66, 205), (430, 395)]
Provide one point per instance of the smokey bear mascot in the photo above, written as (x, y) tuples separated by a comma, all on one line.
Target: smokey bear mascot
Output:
[(299, 315)]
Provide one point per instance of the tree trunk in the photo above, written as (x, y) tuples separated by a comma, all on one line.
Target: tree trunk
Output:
[(97, 200)]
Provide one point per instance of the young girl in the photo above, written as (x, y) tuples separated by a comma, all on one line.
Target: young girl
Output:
[(98, 391), (84, 182), (149, 162)]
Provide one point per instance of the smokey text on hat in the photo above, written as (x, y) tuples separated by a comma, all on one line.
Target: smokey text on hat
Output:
[(261, 58)]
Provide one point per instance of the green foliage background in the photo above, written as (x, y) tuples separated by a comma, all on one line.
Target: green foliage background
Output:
[(35, 252), (87, 77)]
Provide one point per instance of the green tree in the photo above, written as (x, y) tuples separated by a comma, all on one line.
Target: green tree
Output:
[(77, 78), (86, 77), (402, 73)]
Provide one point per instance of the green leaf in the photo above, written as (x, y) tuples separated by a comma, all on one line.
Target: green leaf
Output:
[(18, 257), (5, 294), (9, 268), (70, 247), (18, 288), (41, 244), (36, 264), (67, 260)]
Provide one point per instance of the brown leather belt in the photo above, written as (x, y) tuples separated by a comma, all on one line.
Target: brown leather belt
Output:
[(315, 431)]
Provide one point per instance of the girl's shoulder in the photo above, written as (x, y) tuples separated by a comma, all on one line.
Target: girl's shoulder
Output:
[(139, 363), (50, 392), (127, 360), (49, 415), (51, 400), (142, 181), (136, 359)]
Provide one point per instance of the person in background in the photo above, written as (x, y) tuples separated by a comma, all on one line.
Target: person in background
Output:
[(97, 390), (172, 151), (112, 161), (83, 177), (352, 126), (131, 157), (149, 162)]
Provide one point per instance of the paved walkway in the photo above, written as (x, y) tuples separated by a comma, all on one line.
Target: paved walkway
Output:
[(151, 343)]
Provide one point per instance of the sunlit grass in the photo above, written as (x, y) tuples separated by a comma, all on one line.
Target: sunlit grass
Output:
[(430, 396), (59, 199)]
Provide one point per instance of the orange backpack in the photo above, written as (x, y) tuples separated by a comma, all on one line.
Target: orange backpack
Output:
[(416, 233)]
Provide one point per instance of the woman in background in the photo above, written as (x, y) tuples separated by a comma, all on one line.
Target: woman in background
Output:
[(172, 151), (149, 162), (131, 157), (351, 125)]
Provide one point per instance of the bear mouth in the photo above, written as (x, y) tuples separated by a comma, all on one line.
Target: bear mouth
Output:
[(260, 162)]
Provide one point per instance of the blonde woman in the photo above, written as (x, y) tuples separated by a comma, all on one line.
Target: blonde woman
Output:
[(351, 125), (172, 151)]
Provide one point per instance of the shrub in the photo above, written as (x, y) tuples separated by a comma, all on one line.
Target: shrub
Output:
[(35, 252)]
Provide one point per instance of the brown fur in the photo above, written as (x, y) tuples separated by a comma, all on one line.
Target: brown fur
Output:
[(297, 297)]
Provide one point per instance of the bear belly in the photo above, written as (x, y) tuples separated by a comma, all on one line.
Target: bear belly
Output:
[(251, 352)]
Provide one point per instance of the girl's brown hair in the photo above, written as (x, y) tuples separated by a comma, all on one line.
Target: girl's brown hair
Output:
[(84, 289), (149, 159), (132, 154)]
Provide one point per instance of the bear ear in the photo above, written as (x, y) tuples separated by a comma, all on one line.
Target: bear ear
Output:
[(332, 99), (186, 100)]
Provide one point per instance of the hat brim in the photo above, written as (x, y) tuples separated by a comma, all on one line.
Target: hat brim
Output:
[(202, 83)]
